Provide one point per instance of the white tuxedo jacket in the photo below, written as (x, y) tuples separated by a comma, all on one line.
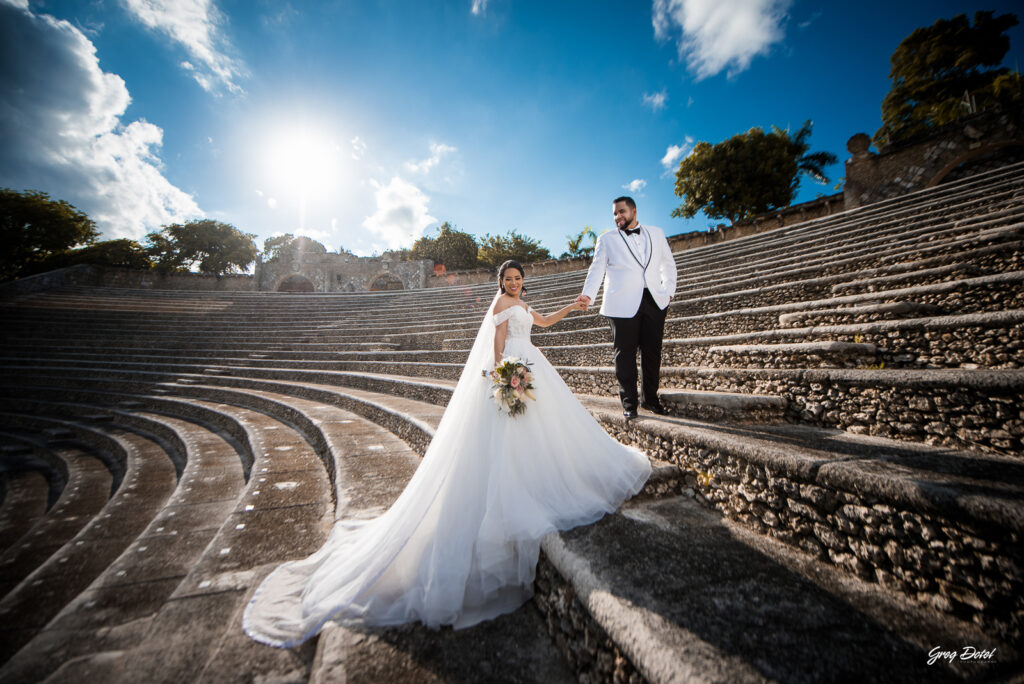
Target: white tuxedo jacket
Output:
[(622, 269)]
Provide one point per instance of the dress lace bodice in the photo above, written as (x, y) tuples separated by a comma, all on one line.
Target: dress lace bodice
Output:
[(518, 324)]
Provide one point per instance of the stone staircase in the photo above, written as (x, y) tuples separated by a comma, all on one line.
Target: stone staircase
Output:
[(838, 491)]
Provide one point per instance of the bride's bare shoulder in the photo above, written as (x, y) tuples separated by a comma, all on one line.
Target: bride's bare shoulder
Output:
[(504, 302)]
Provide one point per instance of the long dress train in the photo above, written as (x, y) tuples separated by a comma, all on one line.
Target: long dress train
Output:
[(460, 544)]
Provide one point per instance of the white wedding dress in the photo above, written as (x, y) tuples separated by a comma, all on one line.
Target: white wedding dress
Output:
[(460, 544)]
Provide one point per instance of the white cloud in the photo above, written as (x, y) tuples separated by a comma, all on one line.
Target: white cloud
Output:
[(401, 214), (717, 35), (479, 7), (810, 20), (272, 203), (195, 24), (358, 148), (676, 152), (656, 101), (437, 150), (63, 133), (635, 185), (20, 4)]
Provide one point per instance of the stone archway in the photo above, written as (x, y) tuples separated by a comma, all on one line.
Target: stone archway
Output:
[(295, 283), (386, 281), (997, 154)]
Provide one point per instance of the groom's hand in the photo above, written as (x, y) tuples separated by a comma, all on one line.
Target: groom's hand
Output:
[(585, 300)]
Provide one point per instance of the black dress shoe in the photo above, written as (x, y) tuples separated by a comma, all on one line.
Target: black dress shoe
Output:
[(657, 409), (629, 413)]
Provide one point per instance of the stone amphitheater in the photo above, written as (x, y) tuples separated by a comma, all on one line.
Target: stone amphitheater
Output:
[(838, 494)]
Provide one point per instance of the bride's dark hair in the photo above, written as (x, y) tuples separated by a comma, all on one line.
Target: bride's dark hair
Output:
[(511, 263)]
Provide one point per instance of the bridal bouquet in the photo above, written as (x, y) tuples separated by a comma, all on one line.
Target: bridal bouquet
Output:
[(511, 383)]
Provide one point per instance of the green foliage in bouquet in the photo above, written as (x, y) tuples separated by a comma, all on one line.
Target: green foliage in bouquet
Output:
[(511, 384)]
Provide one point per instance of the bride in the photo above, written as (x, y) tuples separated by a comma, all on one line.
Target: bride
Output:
[(460, 544)]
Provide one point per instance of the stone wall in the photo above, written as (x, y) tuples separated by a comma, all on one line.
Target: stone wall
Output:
[(590, 651), (87, 275), (981, 412), (923, 163), (488, 275), (967, 564), (331, 272)]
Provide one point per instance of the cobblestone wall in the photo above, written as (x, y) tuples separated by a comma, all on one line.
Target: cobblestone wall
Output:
[(971, 569), (591, 653), (988, 417)]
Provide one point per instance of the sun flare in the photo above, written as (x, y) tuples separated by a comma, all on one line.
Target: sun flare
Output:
[(303, 161)]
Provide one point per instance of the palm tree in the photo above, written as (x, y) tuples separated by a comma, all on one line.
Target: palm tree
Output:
[(575, 244), (812, 164)]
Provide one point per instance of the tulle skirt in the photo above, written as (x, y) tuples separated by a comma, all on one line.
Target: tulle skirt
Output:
[(460, 544)]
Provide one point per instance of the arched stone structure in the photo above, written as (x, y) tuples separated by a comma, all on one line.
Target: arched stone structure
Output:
[(926, 161), (1007, 152), (295, 283), (386, 281)]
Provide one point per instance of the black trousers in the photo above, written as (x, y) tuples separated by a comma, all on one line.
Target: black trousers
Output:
[(644, 331)]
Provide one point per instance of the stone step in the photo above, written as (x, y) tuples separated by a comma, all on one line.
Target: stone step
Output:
[(850, 500), (120, 329), (117, 610), (794, 354), (87, 490), (149, 480), (669, 591), (725, 406), (873, 311), (968, 409), (860, 475), (113, 612), (24, 503), (284, 513), (910, 342)]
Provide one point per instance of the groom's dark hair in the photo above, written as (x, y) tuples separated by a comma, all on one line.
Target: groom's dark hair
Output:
[(628, 200)]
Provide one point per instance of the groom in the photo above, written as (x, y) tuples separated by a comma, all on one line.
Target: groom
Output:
[(639, 276)]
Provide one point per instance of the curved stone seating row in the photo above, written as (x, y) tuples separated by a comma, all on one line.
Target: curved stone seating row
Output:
[(787, 297), (784, 293), (858, 474), (21, 453), (149, 479), (223, 654), (939, 525), (169, 622), (87, 491), (26, 495), (965, 294), (144, 576)]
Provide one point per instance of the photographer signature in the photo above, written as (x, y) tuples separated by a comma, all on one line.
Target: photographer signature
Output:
[(965, 653)]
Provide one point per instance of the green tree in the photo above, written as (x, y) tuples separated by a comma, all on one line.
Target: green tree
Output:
[(495, 249), (123, 252), (277, 247), (453, 248), (748, 174), (576, 246), (284, 247), (401, 254), (33, 227), (935, 66), (214, 248)]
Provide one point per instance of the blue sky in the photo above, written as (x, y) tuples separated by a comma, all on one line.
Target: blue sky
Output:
[(365, 124)]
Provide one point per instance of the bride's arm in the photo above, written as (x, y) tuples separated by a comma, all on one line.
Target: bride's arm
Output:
[(549, 320), (500, 332)]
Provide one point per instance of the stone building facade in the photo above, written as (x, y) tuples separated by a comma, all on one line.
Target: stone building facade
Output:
[(985, 140), (311, 268)]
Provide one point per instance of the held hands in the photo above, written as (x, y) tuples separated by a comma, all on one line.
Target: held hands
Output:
[(583, 301)]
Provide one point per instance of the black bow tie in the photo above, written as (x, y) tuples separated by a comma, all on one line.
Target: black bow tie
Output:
[(634, 231)]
